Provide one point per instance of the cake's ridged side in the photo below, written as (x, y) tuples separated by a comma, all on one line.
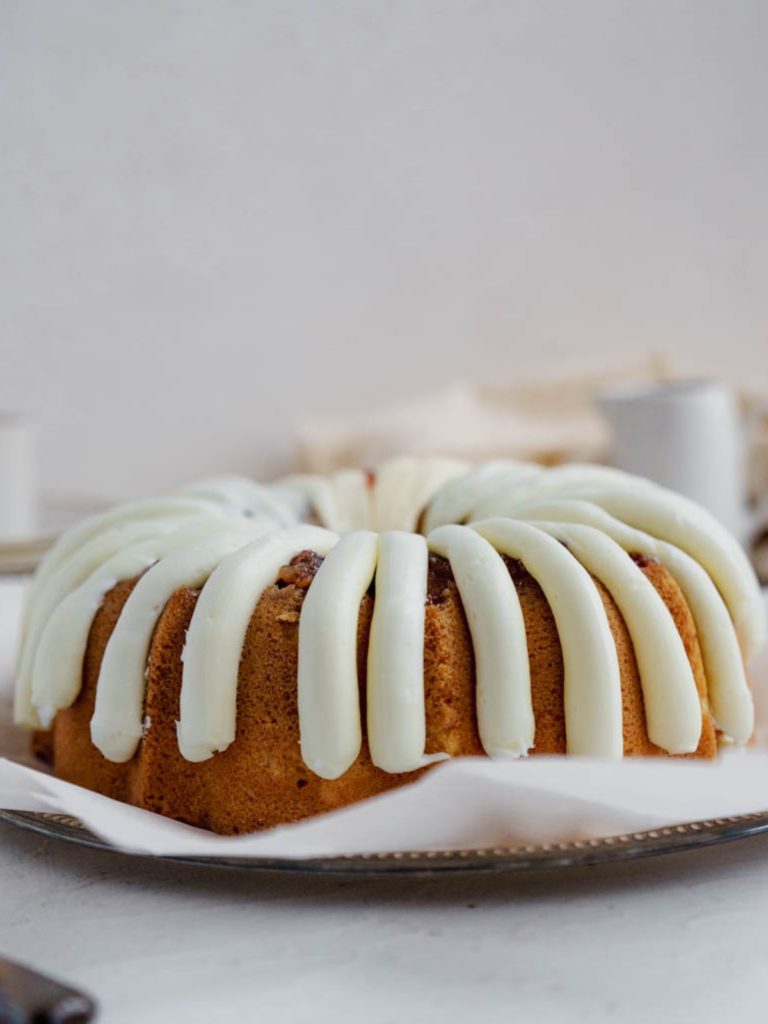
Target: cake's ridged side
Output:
[(260, 780)]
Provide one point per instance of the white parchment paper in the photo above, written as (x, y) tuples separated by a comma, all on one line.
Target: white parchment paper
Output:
[(470, 802)]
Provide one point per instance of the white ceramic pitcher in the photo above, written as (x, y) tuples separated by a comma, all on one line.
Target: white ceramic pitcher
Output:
[(686, 435)]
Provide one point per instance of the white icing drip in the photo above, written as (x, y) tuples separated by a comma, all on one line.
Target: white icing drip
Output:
[(395, 678), (457, 501), (672, 703), (562, 481), (58, 664), (729, 694), (730, 697), (268, 505), (693, 530), (502, 669), (354, 500), (152, 508), (666, 515), (76, 537), (593, 720), (217, 633), (320, 495), (403, 488), (68, 574), (549, 485), (116, 726), (329, 704), (343, 502)]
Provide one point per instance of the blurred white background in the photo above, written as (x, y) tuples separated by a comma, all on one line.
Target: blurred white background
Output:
[(217, 216)]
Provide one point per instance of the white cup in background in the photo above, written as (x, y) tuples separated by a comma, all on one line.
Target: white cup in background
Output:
[(18, 478), (685, 435)]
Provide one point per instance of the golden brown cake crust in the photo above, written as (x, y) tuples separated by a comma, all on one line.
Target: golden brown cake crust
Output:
[(260, 780)]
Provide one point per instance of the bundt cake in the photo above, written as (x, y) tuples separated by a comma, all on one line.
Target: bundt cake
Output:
[(238, 656)]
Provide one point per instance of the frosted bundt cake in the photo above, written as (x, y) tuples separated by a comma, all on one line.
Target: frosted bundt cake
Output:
[(237, 656)]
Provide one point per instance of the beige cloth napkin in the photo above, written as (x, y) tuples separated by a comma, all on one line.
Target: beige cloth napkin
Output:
[(547, 416)]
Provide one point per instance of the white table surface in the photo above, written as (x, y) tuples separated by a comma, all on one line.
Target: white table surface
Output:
[(681, 937)]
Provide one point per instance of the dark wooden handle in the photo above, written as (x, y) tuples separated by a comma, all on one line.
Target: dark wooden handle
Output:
[(27, 997)]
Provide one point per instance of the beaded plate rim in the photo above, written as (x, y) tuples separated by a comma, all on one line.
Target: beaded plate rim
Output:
[(607, 849)]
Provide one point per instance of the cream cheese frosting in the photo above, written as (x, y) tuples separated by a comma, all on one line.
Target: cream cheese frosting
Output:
[(395, 671), (661, 513), (503, 680), (672, 706), (69, 572), (217, 632), (729, 693), (230, 536), (329, 700), (58, 664), (116, 726), (592, 687)]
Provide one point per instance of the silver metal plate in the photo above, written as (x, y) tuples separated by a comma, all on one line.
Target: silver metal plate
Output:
[(674, 839)]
